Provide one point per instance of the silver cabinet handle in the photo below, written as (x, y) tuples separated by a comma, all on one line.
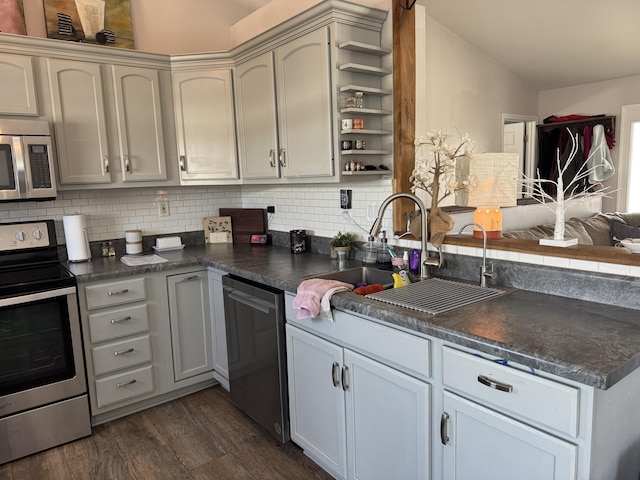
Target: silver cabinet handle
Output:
[(345, 378), (283, 157), (123, 352), (127, 164), (444, 419), (334, 374), (189, 278), (183, 163), (124, 384), (118, 292), (272, 158), (119, 320), (502, 387), (105, 161)]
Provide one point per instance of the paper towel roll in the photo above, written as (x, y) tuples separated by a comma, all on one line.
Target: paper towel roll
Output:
[(133, 239), (77, 238)]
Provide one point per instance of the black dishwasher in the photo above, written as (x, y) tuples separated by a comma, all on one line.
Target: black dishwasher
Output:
[(254, 319)]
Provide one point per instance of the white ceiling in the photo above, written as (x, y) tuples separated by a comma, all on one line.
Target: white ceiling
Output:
[(550, 43)]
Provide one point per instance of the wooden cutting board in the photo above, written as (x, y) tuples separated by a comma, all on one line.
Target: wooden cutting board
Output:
[(245, 221)]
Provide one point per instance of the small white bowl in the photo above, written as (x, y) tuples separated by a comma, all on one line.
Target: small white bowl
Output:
[(632, 244)]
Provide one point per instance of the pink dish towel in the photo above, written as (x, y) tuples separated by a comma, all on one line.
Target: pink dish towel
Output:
[(314, 295)]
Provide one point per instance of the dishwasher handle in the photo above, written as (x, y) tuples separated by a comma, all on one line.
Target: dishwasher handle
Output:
[(248, 300)]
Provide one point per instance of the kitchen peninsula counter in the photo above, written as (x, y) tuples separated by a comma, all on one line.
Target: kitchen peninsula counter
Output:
[(591, 343)]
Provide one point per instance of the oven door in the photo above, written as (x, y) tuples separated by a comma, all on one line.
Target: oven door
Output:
[(12, 173), (41, 358)]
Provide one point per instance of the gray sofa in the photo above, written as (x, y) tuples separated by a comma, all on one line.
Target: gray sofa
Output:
[(601, 229)]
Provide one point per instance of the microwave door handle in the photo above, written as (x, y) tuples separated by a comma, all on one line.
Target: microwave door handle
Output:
[(20, 166)]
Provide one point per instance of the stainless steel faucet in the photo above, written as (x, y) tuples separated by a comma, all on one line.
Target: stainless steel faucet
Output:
[(484, 272), (425, 261)]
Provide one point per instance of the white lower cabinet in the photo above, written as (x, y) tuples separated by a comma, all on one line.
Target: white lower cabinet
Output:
[(355, 416), (190, 319), (147, 340), (485, 445), (508, 425)]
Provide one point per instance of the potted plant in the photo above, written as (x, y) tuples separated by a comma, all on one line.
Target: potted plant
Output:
[(342, 242)]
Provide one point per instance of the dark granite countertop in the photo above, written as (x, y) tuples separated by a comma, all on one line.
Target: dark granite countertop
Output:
[(592, 343)]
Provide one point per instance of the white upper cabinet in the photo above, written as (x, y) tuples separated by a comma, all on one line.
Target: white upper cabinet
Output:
[(107, 132), (18, 92), (303, 79), (257, 118), (139, 123), (78, 109), (283, 101), (205, 126)]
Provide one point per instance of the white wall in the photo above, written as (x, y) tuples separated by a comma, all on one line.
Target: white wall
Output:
[(605, 97), (459, 87)]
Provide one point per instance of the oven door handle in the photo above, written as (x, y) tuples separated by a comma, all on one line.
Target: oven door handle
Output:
[(34, 297)]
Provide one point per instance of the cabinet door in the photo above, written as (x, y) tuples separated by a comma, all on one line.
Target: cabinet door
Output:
[(139, 121), (485, 445), (205, 123), (18, 92), (257, 121), (387, 422), (79, 117), (190, 320), (304, 106), (220, 360), (316, 399)]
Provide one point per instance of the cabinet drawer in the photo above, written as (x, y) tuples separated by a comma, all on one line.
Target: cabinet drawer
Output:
[(118, 323), (531, 397), (117, 355), (124, 386), (403, 351), (115, 293)]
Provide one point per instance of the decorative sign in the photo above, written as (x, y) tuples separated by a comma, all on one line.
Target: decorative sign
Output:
[(101, 22), (218, 230)]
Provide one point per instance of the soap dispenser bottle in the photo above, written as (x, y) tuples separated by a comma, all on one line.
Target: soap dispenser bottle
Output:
[(384, 257), (370, 251)]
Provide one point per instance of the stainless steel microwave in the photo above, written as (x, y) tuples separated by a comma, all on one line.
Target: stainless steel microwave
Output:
[(26, 160)]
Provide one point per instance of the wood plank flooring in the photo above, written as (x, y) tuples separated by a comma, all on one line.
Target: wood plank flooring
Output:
[(201, 436)]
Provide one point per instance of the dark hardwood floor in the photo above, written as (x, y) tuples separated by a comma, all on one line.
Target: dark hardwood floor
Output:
[(201, 436)]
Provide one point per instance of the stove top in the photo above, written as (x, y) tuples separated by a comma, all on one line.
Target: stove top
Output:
[(29, 259)]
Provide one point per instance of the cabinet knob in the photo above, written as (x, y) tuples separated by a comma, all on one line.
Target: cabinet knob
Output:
[(105, 162), (444, 419), (502, 387), (122, 352), (183, 163), (272, 158), (345, 378), (124, 384), (334, 374), (120, 320), (118, 292), (282, 158), (127, 164)]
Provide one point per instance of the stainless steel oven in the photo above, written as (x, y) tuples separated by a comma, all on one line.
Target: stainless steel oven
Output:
[(43, 390)]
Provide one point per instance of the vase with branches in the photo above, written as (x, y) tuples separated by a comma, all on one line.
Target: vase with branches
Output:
[(565, 191), (435, 174)]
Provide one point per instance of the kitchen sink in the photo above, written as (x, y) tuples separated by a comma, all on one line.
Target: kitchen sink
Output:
[(368, 275)]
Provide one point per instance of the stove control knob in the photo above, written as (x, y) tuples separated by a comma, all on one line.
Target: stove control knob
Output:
[(21, 236), (37, 234)]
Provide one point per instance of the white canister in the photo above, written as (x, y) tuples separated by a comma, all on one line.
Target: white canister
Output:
[(133, 239), (347, 124), (76, 238)]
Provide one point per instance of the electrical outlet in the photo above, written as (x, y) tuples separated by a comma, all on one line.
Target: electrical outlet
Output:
[(372, 212), (345, 199), (271, 209), (163, 208)]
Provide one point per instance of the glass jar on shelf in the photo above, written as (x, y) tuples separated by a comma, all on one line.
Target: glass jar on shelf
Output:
[(359, 100)]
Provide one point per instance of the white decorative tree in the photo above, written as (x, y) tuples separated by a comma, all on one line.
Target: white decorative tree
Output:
[(572, 191)]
